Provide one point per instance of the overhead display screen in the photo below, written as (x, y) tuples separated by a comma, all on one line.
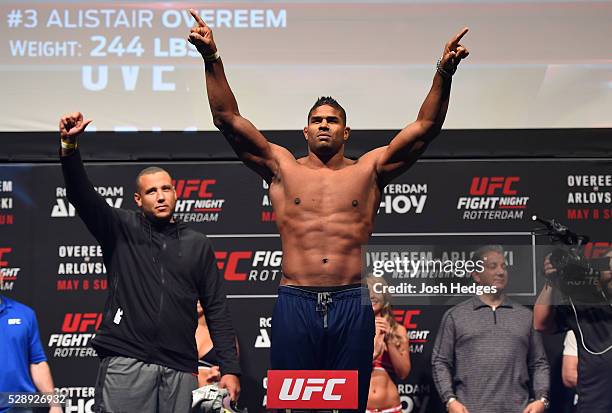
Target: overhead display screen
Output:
[(127, 65)]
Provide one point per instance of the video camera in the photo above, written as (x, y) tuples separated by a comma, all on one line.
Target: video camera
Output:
[(576, 276)]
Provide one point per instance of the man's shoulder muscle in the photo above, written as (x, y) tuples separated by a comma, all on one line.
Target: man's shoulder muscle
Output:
[(372, 157), (281, 154)]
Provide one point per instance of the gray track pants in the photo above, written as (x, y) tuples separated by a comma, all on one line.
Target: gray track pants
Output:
[(127, 385)]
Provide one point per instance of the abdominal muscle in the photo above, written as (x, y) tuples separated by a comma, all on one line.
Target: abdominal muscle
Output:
[(324, 218), (383, 392), (323, 252)]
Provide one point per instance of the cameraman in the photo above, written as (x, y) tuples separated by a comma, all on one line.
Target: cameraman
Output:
[(592, 325)]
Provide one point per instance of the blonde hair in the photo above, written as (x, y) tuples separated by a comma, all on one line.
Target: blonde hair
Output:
[(387, 309)]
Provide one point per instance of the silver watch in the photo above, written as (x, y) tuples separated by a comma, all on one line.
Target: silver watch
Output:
[(545, 401)]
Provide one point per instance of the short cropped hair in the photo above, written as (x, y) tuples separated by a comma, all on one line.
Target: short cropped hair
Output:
[(330, 101), (148, 171), (480, 253)]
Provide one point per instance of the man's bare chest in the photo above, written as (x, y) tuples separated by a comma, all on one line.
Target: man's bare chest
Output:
[(350, 188)]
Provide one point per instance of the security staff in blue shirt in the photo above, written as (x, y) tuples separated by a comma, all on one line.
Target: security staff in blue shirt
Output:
[(23, 362)]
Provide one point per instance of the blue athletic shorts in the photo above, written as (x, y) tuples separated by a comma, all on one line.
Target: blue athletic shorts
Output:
[(324, 329)]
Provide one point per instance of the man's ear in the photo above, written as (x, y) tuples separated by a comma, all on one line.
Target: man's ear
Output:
[(347, 132), (305, 132), (476, 277), (138, 199)]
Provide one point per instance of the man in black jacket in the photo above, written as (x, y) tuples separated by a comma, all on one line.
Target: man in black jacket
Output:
[(157, 269)]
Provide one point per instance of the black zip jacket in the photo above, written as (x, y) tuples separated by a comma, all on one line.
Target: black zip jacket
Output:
[(155, 275)]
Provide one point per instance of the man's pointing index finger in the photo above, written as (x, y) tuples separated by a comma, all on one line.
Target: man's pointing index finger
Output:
[(197, 18), (460, 35)]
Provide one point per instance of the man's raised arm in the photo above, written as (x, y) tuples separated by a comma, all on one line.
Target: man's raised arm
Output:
[(91, 207), (248, 143), (393, 159)]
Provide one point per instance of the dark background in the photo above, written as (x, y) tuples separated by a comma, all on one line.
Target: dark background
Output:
[(32, 237)]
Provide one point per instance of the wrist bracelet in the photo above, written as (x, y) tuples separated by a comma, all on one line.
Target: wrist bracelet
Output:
[(210, 58), (441, 70), (67, 145)]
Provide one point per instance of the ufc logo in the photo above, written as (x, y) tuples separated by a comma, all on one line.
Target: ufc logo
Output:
[(312, 389), (312, 386), (482, 185), (3, 251), (591, 250), (228, 262), (186, 187), (404, 317), (81, 322)]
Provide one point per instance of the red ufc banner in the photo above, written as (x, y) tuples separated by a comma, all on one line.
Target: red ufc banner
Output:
[(312, 389)]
